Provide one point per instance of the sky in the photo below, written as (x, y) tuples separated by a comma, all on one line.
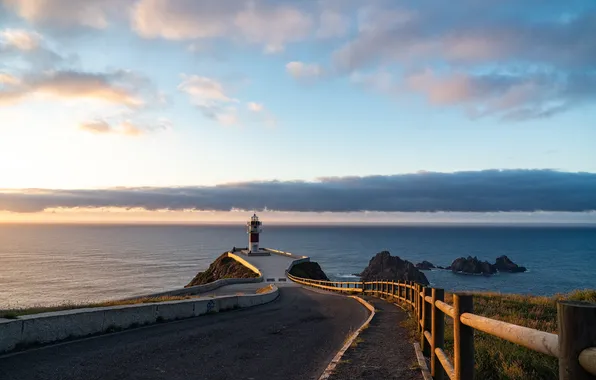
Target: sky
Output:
[(314, 110)]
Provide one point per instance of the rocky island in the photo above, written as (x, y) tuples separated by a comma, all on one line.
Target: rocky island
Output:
[(472, 265), (383, 266)]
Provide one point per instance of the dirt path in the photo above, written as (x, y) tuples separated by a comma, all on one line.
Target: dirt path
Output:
[(382, 351)]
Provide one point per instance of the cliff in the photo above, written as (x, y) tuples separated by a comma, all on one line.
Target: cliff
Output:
[(222, 267)]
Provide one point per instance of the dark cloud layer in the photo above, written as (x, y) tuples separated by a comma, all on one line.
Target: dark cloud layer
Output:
[(481, 191)]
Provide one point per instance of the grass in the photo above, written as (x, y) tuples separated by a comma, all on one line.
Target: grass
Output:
[(265, 289), (497, 359), (357, 341), (15, 313)]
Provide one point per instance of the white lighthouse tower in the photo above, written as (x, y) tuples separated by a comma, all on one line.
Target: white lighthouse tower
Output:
[(253, 229)]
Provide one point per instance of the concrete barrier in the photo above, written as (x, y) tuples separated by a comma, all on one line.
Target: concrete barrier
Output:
[(10, 334), (172, 310), (284, 253), (51, 327), (119, 318), (60, 325)]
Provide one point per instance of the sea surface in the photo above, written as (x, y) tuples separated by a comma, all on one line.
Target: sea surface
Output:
[(53, 264)]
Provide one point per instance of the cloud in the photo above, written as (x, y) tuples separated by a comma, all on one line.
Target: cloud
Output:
[(301, 70), (260, 114), (9, 80), (255, 107), (204, 90), (471, 53), (511, 97), (29, 47), (481, 191), (21, 39), (332, 24), (67, 13), (268, 23), (471, 32), (99, 127), (126, 127), (118, 87), (213, 100), (210, 97)]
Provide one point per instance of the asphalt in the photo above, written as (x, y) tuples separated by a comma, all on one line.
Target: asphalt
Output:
[(294, 337)]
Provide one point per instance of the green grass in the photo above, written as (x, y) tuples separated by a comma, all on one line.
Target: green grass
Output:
[(497, 359)]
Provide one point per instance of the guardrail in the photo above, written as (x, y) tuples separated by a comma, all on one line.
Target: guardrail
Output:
[(574, 346)]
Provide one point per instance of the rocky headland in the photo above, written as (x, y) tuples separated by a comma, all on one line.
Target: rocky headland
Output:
[(222, 267), (383, 266)]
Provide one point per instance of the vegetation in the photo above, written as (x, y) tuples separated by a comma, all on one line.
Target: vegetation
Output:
[(497, 359), (264, 289), (222, 267), (15, 313)]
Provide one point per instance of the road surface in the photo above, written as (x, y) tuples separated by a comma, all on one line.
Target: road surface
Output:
[(293, 337)]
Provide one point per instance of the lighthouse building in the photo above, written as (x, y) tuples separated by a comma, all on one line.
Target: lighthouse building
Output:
[(253, 229)]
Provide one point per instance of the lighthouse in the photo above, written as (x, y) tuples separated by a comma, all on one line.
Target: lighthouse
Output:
[(253, 229)]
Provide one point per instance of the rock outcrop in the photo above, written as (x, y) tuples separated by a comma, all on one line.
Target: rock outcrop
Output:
[(504, 264), (383, 266), (472, 265), (425, 265), (222, 267), (309, 269)]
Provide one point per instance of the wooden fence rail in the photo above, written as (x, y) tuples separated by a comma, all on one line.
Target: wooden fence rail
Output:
[(574, 346)]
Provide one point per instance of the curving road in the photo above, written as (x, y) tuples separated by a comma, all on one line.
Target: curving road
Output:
[(294, 337)]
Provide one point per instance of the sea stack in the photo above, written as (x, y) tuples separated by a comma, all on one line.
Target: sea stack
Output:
[(383, 266)]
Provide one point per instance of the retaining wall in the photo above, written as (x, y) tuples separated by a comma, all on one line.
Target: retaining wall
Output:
[(61, 325)]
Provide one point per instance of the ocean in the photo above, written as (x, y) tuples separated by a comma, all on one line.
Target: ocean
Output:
[(53, 264)]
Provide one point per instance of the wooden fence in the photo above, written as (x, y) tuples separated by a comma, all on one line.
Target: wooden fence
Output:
[(574, 346)]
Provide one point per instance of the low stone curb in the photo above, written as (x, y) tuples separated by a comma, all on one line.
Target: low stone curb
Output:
[(56, 326)]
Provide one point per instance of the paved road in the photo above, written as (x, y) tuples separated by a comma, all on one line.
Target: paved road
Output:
[(294, 337)]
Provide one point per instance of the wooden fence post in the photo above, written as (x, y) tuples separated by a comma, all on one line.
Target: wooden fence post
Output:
[(426, 322), (463, 338), (417, 290), (438, 334), (577, 331), (416, 308), (419, 313)]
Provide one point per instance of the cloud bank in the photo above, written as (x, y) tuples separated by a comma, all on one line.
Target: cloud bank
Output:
[(480, 191)]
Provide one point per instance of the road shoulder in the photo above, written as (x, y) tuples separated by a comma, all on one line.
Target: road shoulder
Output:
[(382, 351)]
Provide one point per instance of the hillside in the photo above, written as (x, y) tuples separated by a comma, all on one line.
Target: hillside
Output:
[(222, 267)]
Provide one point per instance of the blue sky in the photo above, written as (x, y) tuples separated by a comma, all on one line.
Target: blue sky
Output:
[(167, 93)]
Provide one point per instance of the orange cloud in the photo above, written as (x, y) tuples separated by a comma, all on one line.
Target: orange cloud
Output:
[(114, 88)]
